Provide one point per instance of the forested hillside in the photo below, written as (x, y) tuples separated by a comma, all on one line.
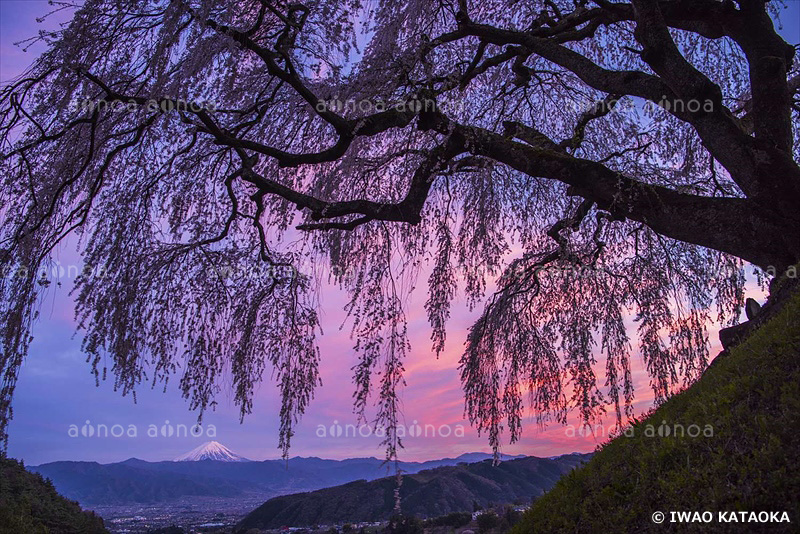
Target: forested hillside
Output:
[(29, 504), (429, 493)]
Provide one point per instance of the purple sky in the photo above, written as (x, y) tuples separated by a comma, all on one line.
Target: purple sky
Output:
[(56, 389)]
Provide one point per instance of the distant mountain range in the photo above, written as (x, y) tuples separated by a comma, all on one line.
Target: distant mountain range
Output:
[(215, 471), (428, 493)]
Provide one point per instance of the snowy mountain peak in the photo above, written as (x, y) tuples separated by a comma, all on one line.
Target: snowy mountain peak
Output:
[(211, 450)]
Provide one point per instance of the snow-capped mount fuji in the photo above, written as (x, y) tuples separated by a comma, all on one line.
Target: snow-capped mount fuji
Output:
[(211, 450)]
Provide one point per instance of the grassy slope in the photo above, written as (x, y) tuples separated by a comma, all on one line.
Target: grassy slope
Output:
[(752, 399), (29, 504)]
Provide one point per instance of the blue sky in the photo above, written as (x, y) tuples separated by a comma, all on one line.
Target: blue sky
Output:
[(56, 389)]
